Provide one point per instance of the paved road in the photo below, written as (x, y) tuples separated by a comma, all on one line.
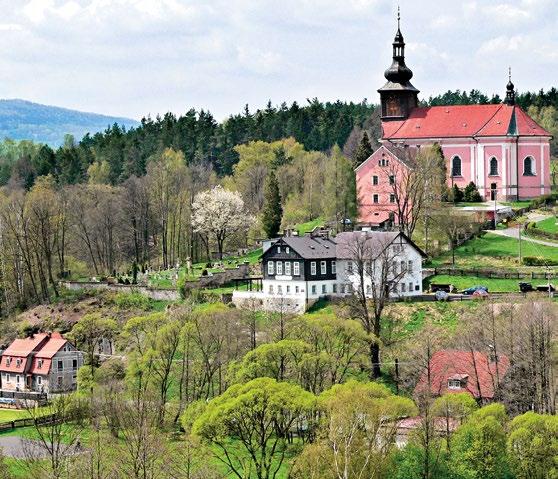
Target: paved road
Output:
[(16, 446), (514, 231)]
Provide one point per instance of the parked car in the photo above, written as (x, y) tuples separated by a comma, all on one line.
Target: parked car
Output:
[(480, 293), (526, 287), (473, 289)]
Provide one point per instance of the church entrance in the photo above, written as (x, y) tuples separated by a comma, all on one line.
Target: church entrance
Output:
[(492, 191)]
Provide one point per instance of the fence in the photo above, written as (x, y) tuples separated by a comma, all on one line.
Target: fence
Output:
[(28, 421), (485, 273)]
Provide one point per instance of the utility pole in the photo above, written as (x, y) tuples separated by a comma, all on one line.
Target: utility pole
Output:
[(520, 228)]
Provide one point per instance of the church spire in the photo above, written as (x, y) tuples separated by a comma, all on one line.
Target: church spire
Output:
[(398, 95), (510, 90)]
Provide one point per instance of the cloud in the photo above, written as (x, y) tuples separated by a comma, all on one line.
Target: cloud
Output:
[(131, 57)]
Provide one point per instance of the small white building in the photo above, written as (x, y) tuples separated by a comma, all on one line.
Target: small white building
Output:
[(373, 258)]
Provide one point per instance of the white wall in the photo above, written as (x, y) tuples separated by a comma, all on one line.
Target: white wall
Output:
[(414, 276)]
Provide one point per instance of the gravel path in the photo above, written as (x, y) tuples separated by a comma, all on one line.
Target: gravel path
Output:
[(16, 446)]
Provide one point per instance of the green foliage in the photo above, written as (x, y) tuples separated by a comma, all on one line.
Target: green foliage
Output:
[(538, 261), (479, 446), (260, 415), (132, 301), (272, 211), (533, 446), (363, 151), (408, 463), (471, 193), (456, 194)]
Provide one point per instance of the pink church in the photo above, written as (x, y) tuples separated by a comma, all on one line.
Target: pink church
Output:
[(498, 147)]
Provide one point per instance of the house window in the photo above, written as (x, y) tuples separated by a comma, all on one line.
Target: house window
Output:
[(403, 288), (270, 268), (410, 266), (279, 289), (392, 198), (323, 267), (417, 287), (391, 179), (313, 289), (313, 268), (60, 365), (288, 268), (350, 267), (74, 364), (18, 363), (59, 381), (403, 264), (287, 250), (368, 289), (375, 198), (297, 289), (296, 268), (8, 378), (394, 267), (333, 267), (279, 267), (342, 289), (278, 249), (8, 361), (39, 380), (493, 167), (270, 289), (375, 180), (39, 363), (456, 166), (288, 288), (410, 287), (18, 379), (454, 384), (528, 166), (324, 289), (334, 288)]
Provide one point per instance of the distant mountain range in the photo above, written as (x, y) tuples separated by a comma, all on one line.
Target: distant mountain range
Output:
[(24, 120)]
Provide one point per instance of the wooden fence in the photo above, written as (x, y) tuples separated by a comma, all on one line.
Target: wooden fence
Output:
[(28, 421), (497, 274)]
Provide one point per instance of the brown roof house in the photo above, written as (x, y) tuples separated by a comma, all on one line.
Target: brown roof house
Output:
[(474, 372), (45, 363)]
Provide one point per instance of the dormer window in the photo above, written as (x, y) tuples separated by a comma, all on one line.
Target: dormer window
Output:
[(18, 363), (8, 361), (457, 381), (278, 249), (39, 363), (287, 250)]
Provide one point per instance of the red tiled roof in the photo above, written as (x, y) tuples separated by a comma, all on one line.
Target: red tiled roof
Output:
[(463, 121), (44, 369), (450, 364), (22, 347)]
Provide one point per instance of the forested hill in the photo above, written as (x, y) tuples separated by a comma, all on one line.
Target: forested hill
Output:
[(24, 120)]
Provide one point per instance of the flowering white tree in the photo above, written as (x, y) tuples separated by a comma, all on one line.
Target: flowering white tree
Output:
[(219, 213)]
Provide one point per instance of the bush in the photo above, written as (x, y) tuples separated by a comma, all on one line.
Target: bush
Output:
[(471, 193), (132, 300), (538, 261)]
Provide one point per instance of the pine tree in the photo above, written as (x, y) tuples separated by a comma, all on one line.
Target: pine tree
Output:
[(471, 193), (456, 194), (364, 150), (272, 212)]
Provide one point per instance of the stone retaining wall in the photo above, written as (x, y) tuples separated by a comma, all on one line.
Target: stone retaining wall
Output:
[(152, 293)]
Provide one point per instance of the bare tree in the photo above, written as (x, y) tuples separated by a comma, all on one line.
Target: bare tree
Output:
[(373, 266)]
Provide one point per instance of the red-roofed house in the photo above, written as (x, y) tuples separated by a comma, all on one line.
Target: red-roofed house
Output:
[(44, 362), (498, 147), (464, 371)]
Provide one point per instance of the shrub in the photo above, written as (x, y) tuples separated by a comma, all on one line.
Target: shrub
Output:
[(538, 261), (132, 300)]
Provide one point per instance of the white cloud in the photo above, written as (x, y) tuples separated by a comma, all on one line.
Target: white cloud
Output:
[(131, 57)]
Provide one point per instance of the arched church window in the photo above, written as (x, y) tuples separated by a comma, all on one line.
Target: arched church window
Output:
[(493, 167), (529, 166), (456, 166)]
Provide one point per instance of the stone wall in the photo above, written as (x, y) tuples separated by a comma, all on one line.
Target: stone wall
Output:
[(216, 280), (152, 293)]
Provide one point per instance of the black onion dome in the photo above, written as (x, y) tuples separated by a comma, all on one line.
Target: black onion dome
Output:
[(398, 72)]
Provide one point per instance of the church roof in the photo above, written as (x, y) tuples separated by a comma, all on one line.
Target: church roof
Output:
[(463, 121)]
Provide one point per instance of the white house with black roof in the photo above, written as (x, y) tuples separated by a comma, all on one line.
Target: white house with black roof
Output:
[(299, 270)]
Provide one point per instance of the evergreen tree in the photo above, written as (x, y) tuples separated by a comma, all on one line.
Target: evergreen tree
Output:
[(272, 210), (471, 193), (364, 150), (456, 194)]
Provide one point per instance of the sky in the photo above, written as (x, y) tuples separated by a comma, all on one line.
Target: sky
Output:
[(136, 58)]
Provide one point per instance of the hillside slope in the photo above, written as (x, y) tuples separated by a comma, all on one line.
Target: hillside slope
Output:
[(24, 120)]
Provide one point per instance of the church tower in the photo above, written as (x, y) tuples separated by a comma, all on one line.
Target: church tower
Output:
[(398, 96), (510, 91)]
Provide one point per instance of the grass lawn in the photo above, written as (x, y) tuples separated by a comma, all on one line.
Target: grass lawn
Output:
[(12, 414), (493, 251), (494, 285), (549, 225), (304, 228)]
